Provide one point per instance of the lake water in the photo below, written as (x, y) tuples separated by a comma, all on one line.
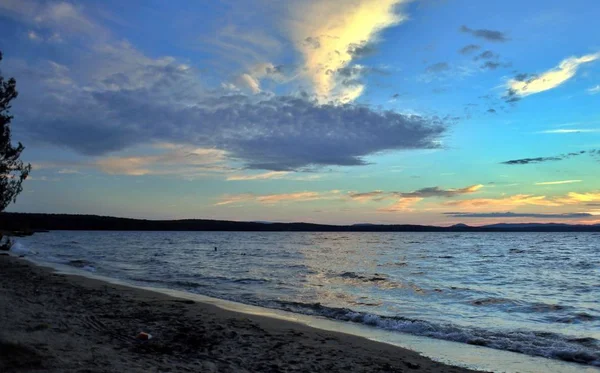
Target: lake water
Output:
[(532, 293)]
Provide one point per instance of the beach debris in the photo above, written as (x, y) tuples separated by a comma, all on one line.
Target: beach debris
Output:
[(143, 336)]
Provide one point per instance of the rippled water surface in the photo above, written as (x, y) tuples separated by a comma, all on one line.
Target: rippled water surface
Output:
[(535, 293)]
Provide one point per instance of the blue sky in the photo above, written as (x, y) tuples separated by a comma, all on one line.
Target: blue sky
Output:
[(390, 111)]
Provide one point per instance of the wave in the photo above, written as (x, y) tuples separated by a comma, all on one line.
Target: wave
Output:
[(82, 264), (545, 344), (19, 249)]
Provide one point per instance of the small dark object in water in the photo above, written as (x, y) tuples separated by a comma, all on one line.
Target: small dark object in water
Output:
[(215, 248)]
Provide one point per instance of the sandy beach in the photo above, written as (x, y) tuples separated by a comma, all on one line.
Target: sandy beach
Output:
[(62, 323)]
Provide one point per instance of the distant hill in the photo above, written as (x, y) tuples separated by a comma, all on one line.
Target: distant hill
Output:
[(24, 221)]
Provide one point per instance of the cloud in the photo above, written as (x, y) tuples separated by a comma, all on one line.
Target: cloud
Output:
[(438, 192), (142, 101), (512, 201), (181, 161), (361, 50), (594, 90), (68, 171), (571, 198), (42, 178), (520, 86), (350, 77), (486, 55), (558, 182), (247, 80), (572, 130), (491, 65), (263, 176), (377, 195), (62, 16), (271, 199), (117, 98), (252, 79), (468, 49), (489, 35), (405, 201), (289, 197), (403, 204), (429, 192), (437, 68), (576, 198), (504, 215), (330, 34), (237, 198), (491, 60), (546, 159), (32, 35)]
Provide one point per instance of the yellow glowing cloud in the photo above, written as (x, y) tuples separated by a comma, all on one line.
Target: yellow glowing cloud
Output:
[(551, 78), (328, 31), (247, 80), (469, 189), (574, 198)]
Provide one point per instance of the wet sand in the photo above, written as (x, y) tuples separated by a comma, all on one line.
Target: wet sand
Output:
[(64, 323)]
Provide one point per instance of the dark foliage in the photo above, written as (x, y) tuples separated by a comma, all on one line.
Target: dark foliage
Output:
[(42, 222), (12, 169)]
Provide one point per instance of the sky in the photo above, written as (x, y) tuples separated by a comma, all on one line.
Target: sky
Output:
[(328, 111)]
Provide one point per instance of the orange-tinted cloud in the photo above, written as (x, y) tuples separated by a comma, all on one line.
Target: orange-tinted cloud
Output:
[(178, 160), (512, 201), (571, 198), (263, 176), (403, 204)]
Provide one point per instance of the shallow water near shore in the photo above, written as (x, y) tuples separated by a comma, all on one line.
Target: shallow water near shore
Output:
[(533, 293)]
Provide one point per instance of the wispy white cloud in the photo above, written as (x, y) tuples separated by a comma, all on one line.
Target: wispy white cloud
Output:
[(525, 86), (32, 35), (252, 78), (558, 182), (572, 130), (60, 16), (594, 90)]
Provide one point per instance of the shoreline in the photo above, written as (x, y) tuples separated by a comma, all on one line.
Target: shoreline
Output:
[(64, 322)]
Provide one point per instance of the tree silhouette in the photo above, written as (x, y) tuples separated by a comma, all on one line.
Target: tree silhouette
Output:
[(12, 170)]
